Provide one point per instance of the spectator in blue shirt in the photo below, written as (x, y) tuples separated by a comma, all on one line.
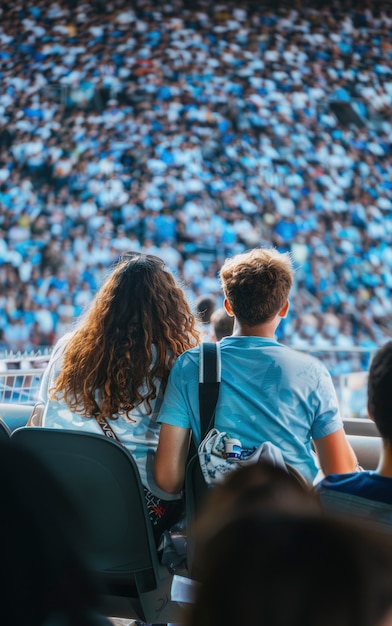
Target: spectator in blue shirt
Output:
[(368, 494)]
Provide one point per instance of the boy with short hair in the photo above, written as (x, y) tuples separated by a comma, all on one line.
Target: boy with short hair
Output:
[(268, 391)]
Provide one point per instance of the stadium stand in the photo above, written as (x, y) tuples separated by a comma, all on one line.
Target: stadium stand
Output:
[(195, 130)]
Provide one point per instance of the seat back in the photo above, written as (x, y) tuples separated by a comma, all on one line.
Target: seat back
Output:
[(104, 483), (367, 450), (195, 488), (5, 431), (15, 414), (360, 426)]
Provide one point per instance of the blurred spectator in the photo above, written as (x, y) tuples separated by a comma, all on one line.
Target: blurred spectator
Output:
[(283, 578), (204, 308), (222, 323), (367, 494), (205, 145), (262, 487)]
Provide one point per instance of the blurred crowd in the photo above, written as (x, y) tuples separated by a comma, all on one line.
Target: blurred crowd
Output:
[(194, 130)]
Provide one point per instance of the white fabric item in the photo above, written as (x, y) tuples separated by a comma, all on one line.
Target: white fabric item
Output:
[(215, 465), (183, 589)]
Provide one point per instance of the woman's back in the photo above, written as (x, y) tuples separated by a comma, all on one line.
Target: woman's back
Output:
[(138, 431), (112, 369)]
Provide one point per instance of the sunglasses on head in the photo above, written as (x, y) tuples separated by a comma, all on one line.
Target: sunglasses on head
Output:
[(129, 255)]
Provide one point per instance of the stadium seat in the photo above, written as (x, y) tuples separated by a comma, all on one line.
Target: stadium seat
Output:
[(360, 426), (367, 449), (365, 440), (5, 431), (196, 488), (103, 480), (15, 414)]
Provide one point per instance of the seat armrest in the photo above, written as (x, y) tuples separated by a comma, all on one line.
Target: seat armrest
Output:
[(367, 449), (360, 426)]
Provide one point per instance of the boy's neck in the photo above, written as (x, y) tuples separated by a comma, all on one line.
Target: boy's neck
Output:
[(266, 330)]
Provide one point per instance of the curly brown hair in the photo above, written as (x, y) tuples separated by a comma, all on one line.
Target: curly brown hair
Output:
[(137, 325)]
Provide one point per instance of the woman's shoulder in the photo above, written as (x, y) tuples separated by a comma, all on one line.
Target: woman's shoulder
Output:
[(60, 345)]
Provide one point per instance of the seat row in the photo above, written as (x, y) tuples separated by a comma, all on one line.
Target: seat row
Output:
[(103, 481)]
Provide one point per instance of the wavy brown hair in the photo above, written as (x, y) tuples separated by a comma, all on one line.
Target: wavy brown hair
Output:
[(139, 306)]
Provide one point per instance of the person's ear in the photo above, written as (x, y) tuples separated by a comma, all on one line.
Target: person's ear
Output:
[(228, 308), (285, 309)]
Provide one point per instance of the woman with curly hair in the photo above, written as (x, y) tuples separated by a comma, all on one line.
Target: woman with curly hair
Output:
[(111, 371)]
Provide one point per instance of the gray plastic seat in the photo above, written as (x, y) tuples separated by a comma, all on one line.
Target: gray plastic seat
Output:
[(367, 450), (103, 480)]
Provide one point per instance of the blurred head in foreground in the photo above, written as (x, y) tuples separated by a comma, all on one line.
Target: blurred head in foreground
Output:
[(261, 487), (279, 569)]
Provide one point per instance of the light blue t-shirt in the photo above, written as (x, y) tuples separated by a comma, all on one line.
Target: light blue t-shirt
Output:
[(139, 432), (268, 392)]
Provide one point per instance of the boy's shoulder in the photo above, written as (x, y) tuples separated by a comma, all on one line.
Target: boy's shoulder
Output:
[(190, 355)]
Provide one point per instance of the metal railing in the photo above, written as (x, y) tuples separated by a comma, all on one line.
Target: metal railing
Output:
[(21, 373), (20, 376)]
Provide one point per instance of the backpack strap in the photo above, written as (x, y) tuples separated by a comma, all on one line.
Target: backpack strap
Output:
[(209, 382)]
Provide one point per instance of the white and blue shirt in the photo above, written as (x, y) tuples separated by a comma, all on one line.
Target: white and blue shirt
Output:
[(138, 432)]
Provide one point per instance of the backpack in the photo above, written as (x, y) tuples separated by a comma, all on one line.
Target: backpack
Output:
[(221, 452)]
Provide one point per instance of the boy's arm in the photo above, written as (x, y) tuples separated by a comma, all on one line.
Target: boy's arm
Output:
[(171, 457), (335, 453)]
